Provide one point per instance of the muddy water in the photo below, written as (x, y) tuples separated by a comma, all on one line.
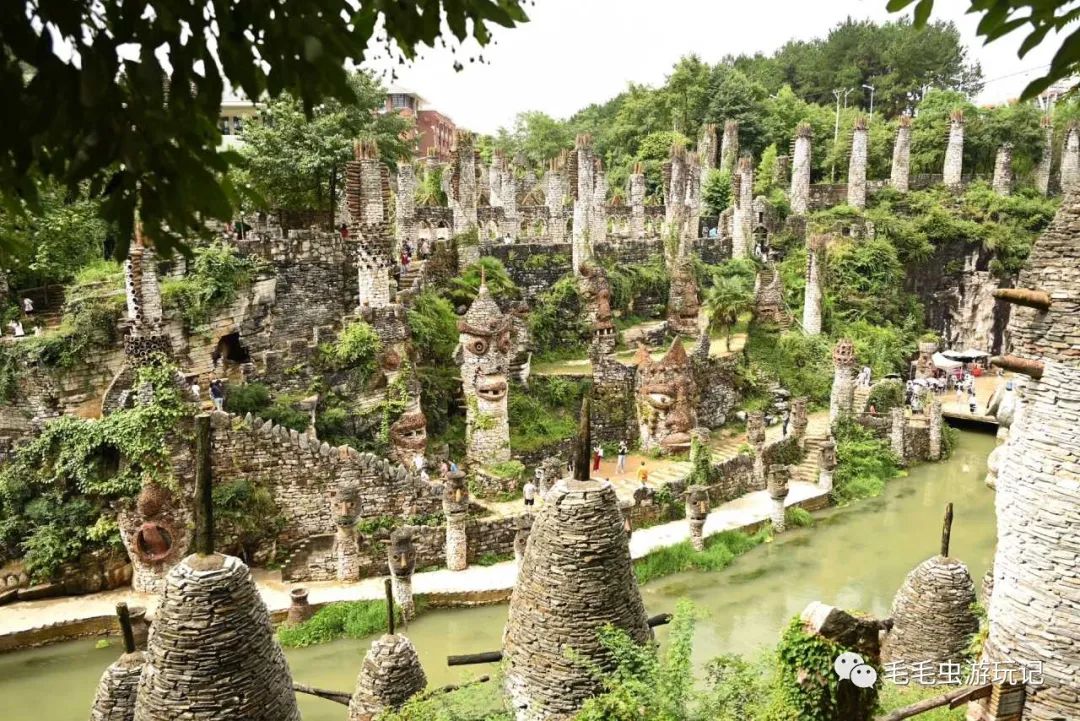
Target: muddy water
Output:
[(855, 557)]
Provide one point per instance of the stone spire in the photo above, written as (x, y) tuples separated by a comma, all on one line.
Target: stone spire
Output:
[(843, 387), (1042, 170), (954, 151), (826, 464), (675, 181), (729, 147), (706, 150), (901, 157), (575, 577), (484, 345), (459, 183), (1032, 614), (195, 667), (115, 697), (697, 510), (931, 613), (637, 201), (800, 170), (405, 204), (583, 187), (1003, 173), (1070, 159), (812, 293), (743, 209), (856, 189)]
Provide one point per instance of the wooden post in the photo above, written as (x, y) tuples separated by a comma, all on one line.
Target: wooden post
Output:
[(204, 488), (583, 448), (389, 607), (946, 531), (125, 627)]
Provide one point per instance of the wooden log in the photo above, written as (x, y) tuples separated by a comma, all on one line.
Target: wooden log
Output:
[(335, 696), (1038, 299), (468, 659), (1016, 364), (946, 531), (959, 696), (124, 617), (660, 619), (451, 687), (204, 487), (583, 444), (389, 607)]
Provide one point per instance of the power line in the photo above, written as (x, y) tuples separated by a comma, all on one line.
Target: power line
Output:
[(1019, 72)]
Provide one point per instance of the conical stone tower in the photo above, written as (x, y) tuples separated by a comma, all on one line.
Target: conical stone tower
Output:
[(575, 577), (115, 697), (212, 654)]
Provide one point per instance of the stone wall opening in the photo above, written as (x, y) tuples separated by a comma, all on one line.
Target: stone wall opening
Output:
[(230, 350)]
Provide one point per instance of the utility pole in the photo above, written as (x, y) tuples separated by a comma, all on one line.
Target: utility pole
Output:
[(836, 128), (871, 88)]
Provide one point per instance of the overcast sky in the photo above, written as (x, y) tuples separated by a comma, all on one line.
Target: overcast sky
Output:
[(575, 52)]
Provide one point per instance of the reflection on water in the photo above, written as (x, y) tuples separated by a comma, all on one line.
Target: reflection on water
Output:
[(855, 558)]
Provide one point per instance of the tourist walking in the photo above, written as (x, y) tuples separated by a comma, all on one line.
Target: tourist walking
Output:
[(620, 461), (196, 391), (217, 394), (643, 475), (444, 469), (529, 492), (453, 467), (17, 329), (28, 306), (787, 419), (598, 454)]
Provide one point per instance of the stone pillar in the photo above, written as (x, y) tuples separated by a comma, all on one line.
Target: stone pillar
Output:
[(779, 478), (1003, 174), (402, 562), (116, 691), (800, 170), (460, 183), (141, 284), (901, 156), (826, 464), (347, 553), (456, 509), (582, 185), (598, 207), (212, 655), (405, 205), (1070, 159), (935, 420), (755, 436), (483, 354), (697, 510), (1005, 703), (954, 152), (299, 608), (743, 216), (896, 432), (799, 419), (729, 147), (390, 675), (560, 602), (1042, 170), (812, 292), (156, 535), (637, 202), (856, 187), (675, 179), (842, 398)]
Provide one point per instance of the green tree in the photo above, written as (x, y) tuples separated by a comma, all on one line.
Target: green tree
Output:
[(540, 137), (141, 126), (717, 191), (687, 94), (296, 162), (737, 97), (462, 289), (1003, 17), (729, 297)]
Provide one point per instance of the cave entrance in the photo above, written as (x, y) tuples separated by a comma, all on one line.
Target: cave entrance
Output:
[(231, 350)]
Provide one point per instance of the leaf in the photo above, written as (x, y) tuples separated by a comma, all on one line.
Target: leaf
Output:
[(922, 12)]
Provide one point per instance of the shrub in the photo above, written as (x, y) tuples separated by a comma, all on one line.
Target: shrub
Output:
[(357, 348), (720, 550), (864, 463), (798, 517), (247, 398), (557, 322), (886, 395), (216, 273), (349, 619)]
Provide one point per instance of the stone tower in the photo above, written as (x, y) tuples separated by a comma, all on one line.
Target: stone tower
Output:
[(815, 276), (842, 397), (683, 306), (460, 184), (1003, 172), (901, 156), (1042, 170), (729, 147), (800, 170), (575, 578), (743, 215), (637, 201), (585, 186), (195, 667), (675, 183), (405, 204), (1070, 159), (390, 675), (1032, 611), (954, 151), (484, 346), (706, 150), (856, 189)]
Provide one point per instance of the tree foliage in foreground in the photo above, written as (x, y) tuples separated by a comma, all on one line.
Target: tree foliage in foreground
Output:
[(142, 128)]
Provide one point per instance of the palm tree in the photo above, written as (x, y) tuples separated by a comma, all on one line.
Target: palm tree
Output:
[(729, 297)]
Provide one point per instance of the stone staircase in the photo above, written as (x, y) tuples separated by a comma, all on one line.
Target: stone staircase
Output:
[(862, 395), (670, 473), (412, 281), (769, 299), (807, 470)]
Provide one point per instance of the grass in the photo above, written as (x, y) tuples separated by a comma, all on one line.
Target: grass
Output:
[(798, 517), (895, 697), (350, 619), (490, 559), (720, 550)]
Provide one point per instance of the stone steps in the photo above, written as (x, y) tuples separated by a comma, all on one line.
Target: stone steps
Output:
[(862, 395)]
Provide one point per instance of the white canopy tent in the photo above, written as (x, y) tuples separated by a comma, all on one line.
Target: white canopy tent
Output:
[(945, 364)]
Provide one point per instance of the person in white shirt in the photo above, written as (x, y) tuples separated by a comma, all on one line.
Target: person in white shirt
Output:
[(529, 491), (196, 391), (17, 329), (28, 306)]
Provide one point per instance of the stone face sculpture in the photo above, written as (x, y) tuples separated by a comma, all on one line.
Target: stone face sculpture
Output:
[(345, 508), (924, 365), (842, 398), (483, 353), (665, 400), (595, 291), (456, 509), (156, 536), (402, 563), (683, 304), (778, 485), (697, 510), (408, 437)]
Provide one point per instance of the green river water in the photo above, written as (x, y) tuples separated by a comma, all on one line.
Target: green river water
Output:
[(854, 557)]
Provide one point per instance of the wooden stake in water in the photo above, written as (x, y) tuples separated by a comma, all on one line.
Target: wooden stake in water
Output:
[(946, 531), (125, 627), (389, 608), (204, 488)]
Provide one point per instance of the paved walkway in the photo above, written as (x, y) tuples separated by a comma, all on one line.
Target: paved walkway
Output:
[(744, 511)]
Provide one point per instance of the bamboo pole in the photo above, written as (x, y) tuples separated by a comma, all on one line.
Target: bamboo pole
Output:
[(946, 531)]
